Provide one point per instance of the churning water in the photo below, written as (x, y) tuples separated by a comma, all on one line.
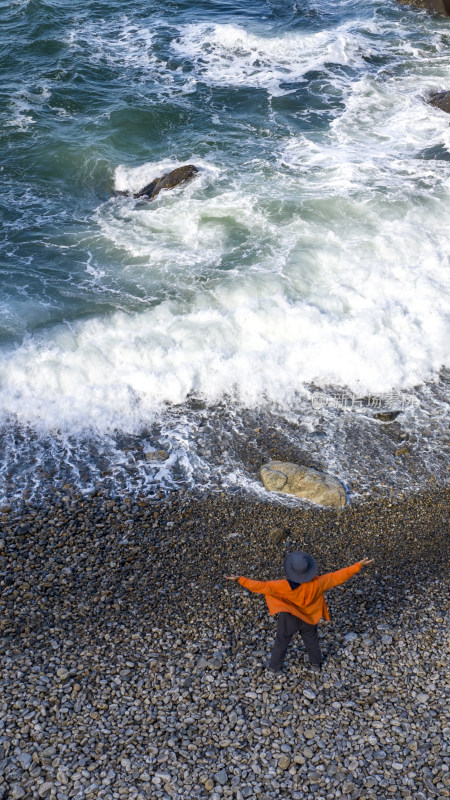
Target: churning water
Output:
[(299, 283)]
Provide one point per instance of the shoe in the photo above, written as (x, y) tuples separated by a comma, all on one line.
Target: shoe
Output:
[(315, 667), (274, 671)]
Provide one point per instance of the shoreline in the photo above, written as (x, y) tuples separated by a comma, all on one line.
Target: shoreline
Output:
[(376, 447), (132, 669)]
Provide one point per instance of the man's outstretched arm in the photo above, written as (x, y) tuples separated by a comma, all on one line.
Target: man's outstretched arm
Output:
[(330, 580), (260, 587)]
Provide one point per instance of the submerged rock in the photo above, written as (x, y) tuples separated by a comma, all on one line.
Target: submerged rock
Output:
[(441, 100), (386, 416), (168, 181), (157, 455), (305, 482)]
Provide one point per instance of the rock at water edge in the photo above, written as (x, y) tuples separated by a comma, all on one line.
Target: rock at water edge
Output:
[(304, 482)]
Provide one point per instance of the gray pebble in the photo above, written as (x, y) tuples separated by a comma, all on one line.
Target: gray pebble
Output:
[(17, 792), (25, 760), (221, 777)]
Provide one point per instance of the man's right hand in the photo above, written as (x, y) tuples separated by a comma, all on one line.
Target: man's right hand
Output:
[(365, 561)]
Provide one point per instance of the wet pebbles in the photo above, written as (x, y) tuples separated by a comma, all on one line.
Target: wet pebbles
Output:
[(131, 669)]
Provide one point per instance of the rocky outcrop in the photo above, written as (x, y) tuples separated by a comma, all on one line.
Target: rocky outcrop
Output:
[(304, 482), (168, 181), (441, 100), (438, 6)]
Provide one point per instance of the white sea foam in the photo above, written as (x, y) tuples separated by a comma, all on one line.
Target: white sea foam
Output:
[(230, 55), (129, 47), (376, 144), (184, 232), (125, 44), (20, 120), (24, 105), (367, 328)]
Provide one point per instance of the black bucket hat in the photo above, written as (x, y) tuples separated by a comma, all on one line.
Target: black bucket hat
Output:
[(300, 567)]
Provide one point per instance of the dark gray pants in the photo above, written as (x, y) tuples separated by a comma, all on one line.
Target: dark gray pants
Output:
[(288, 624)]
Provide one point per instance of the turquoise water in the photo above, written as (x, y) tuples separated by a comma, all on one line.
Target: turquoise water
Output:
[(309, 257)]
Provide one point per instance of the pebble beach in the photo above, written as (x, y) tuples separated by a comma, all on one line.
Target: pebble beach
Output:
[(131, 669)]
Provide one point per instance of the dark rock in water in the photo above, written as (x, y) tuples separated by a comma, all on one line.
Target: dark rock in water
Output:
[(168, 181), (441, 100), (402, 451), (149, 190), (438, 6)]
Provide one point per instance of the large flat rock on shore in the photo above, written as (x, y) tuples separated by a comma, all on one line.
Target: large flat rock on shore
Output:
[(304, 482)]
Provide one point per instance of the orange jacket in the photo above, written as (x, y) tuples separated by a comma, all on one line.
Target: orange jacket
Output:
[(307, 601)]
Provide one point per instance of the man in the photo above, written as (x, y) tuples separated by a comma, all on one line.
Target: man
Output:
[(300, 603)]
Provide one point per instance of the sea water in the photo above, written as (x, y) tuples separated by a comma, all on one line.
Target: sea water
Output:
[(296, 287)]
